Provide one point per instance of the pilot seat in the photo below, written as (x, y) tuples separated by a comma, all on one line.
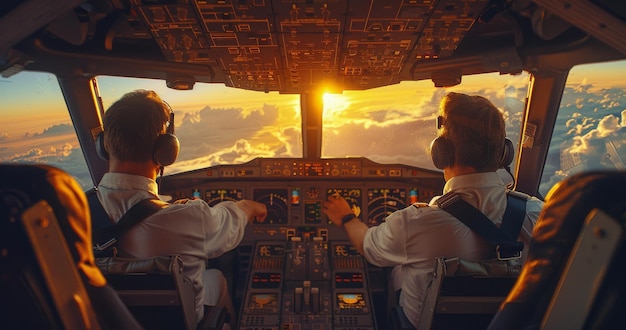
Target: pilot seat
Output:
[(574, 275), (48, 277)]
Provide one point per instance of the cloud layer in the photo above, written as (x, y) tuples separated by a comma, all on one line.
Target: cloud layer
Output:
[(389, 125)]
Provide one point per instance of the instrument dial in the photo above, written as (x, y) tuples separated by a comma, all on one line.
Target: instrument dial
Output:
[(215, 196), (276, 202), (352, 195), (381, 202)]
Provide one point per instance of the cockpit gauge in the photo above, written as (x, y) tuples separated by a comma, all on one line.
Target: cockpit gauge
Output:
[(263, 303), (381, 202), (350, 302), (215, 196), (195, 194), (352, 195), (276, 201)]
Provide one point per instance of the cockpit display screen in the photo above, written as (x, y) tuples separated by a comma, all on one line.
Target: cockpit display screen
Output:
[(350, 301), (215, 196), (263, 303), (276, 201), (352, 195), (381, 202)]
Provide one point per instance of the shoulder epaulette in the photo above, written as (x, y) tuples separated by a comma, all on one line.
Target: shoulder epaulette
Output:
[(419, 205)]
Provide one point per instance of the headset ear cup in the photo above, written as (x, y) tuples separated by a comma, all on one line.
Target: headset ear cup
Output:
[(100, 148), (507, 153), (166, 149), (441, 152)]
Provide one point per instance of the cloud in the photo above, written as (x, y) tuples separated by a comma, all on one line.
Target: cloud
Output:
[(214, 136), (59, 129), (583, 87), (382, 125), (240, 152), (66, 157), (409, 138), (32, 153), (571, 123), (608, 125), (596, 137), (39, 155), (592, 142)]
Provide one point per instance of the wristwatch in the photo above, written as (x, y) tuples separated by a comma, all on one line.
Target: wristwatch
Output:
[(347, 218)]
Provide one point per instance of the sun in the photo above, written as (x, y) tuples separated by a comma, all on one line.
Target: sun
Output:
[(334, 106)]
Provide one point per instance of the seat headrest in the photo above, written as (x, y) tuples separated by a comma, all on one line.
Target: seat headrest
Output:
[(24, 185), (561, 220)]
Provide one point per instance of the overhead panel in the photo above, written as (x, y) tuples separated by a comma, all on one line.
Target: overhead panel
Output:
[(310, 35), (242, 35), (379, 37), (177, 31), (296, 46), (448, 23)]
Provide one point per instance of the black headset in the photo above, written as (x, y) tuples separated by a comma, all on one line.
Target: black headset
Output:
[(442, 153), (164, 152)]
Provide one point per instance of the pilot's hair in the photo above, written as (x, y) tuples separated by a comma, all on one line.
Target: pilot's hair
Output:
[(476, 130), (133, 123)]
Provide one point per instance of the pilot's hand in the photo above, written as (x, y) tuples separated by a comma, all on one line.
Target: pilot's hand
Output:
[(336, 207), (254, 210)]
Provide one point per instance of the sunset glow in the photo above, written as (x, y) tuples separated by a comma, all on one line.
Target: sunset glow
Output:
[(392, 124)]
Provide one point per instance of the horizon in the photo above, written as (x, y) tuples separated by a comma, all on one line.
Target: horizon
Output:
[(238, 125)]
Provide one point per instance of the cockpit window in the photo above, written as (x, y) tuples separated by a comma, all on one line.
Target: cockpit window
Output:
[(36, 127), (396, 124), (393, 124), (220, 125), (590, 130)]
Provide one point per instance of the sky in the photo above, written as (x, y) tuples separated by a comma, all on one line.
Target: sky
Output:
[(394, 124)]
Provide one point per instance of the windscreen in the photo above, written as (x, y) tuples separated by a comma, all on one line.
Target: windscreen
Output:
[(396, 124)]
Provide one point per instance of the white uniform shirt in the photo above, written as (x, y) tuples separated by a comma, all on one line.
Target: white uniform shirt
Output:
[(413, 237), (194, 230)]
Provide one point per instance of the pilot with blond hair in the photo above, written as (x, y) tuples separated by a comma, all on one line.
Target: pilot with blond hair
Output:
[(469, 149)]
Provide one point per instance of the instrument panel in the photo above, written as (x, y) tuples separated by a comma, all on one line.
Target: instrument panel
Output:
[(293, 191), (300, 205), (296, 269)]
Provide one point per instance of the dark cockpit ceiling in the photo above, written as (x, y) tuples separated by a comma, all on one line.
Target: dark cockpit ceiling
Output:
[(298, 46)]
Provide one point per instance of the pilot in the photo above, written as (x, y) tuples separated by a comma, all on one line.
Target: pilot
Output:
[(472, 130), (139, 141)]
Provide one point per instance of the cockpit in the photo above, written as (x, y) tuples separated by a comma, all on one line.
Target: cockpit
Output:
[(290, 102)]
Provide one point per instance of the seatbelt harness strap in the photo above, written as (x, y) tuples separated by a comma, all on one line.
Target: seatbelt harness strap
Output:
[(504, 238), (514, 214), (136, 214)]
